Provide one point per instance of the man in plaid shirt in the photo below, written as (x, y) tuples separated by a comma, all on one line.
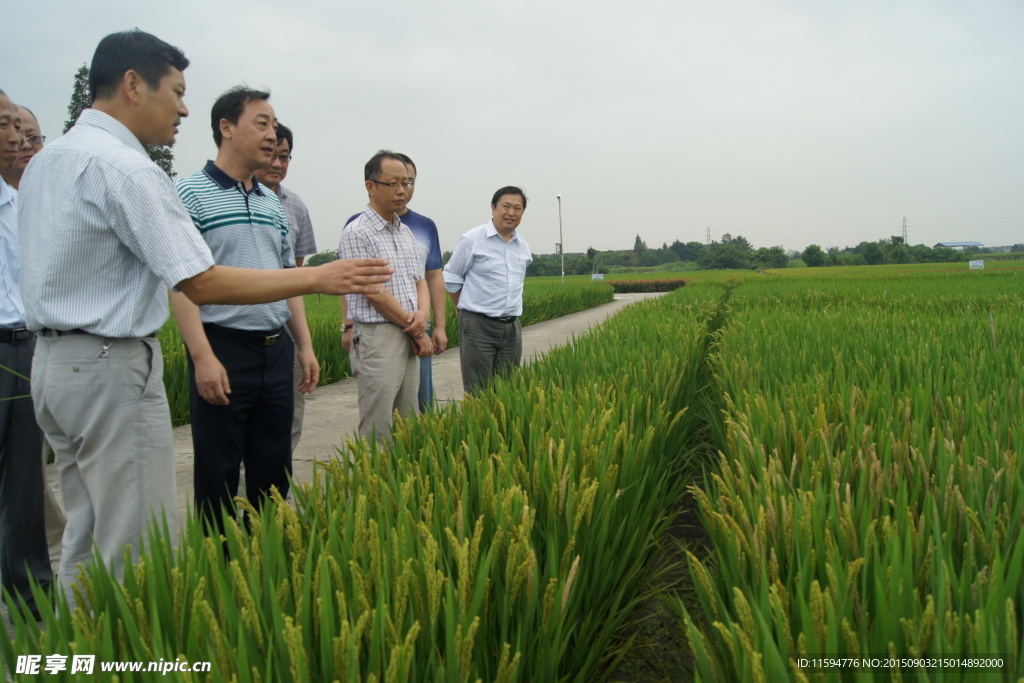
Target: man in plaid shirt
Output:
[(390, 326)]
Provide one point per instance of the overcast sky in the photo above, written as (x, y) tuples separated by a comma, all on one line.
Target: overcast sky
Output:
[(787, 122)]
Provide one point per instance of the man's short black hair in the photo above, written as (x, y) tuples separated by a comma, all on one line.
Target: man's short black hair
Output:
[(372, 169), (508, 189), (285, 133), (230, 106), (407, 161), (135, 50)]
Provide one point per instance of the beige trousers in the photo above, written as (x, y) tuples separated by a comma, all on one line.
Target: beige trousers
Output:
[(387, 376)]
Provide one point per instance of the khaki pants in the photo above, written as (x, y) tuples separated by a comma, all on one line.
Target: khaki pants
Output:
[(104, 412), (387, 376)]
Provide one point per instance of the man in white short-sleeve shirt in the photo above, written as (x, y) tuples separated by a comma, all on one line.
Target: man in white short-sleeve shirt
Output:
[(103, 234)]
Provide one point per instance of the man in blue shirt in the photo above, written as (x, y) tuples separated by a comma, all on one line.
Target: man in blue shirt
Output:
[(425, 231), (484, 278)]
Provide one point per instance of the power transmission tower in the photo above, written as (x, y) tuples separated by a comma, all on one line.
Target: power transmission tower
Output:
[(707, 240), (904, 230)]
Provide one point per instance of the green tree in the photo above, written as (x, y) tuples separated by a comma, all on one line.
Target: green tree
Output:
[(80, 100), (873, 254), (741, 242), (639, 246), (724, 257), (79, 96), (322, 257), (774, 257), (592, 258), (813, 256)]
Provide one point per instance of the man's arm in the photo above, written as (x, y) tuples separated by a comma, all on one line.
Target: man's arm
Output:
[(227, 285), (211, 377), (457, 268), (424, 345), (435, 285), (303, 345)]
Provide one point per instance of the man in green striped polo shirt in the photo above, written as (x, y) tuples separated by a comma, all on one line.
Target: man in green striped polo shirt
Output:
[(240, 357)]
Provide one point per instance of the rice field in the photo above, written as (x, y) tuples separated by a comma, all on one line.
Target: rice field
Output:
[(868, 496), (863, 503)]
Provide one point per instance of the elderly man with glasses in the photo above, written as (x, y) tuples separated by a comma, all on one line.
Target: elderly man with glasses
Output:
[(389, 327), (31, 142), (23, 551)]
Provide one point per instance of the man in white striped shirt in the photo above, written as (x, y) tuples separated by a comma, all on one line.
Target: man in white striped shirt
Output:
[(390, 328), (103, 234)]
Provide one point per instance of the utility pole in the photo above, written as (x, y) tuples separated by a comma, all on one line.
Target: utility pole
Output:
[(561, 243)]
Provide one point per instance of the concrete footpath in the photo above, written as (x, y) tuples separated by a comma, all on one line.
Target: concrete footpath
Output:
[(332, 413)]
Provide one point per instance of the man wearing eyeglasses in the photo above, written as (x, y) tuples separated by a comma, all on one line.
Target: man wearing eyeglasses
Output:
[(23, 552), (425, 231), (300, 232), (484, 279), (31, 142), (389, 327)]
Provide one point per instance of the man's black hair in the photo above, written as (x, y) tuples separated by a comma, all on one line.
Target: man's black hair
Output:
[(230, 106), (285, 133), (372, 169), (407, 161), (135, 50), (508, 189)]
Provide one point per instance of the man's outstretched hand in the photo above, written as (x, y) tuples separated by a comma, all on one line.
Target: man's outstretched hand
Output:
[(355, 276)]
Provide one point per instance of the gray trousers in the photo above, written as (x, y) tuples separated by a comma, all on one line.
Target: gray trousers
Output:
[(23, 549), (387, 376), (487, 348), (105, 415)]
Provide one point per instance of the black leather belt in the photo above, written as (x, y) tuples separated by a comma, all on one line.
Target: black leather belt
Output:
[(19, 335), (47, 332), (267, 338), (507, 319)]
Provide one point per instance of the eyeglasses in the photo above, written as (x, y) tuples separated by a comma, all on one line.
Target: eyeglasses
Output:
[(35, 140), (407, 184), (283, 158)]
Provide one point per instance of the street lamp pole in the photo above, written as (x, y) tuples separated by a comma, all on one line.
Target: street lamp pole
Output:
[(561, 243)]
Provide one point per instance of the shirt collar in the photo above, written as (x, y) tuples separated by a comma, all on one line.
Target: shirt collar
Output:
[(94, 118), (492, 231), (7, 192), (378, 222), (225, 181)]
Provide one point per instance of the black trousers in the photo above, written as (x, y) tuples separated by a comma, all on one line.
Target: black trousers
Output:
[(23, 548), (254, 428)]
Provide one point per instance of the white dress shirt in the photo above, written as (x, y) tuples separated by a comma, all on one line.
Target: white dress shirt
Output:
[(12, 310), (103, 234), (489, 272)]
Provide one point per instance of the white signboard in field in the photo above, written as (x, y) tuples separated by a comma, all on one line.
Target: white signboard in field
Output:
[(597, 277), (977, 265)]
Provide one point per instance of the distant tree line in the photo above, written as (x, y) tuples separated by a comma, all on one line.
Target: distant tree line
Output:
[(738, 253), (891, 250), (730, 252)]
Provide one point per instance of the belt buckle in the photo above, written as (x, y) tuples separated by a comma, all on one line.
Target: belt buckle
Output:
[(271, 340)]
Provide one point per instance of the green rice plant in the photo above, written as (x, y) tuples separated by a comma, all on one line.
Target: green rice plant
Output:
[(869, 493), (503, 539)]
